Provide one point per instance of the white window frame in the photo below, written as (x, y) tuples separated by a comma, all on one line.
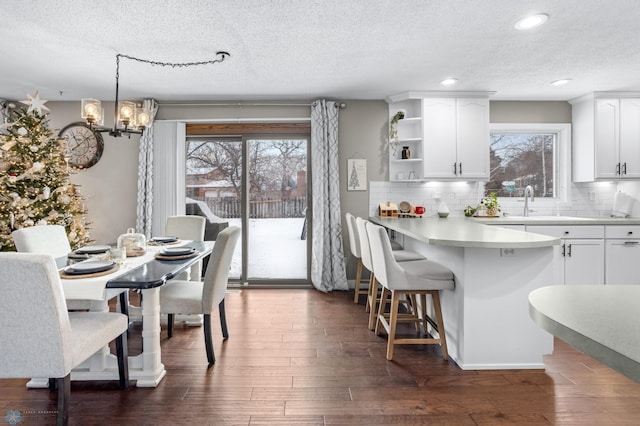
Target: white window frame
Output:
[(562, 131)]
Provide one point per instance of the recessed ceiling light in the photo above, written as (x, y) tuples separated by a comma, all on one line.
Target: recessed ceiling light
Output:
[(531, 21), (561, 82), (449, 81)]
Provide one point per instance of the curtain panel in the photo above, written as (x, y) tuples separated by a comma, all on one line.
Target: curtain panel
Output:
[(145, 175), (328, 271)]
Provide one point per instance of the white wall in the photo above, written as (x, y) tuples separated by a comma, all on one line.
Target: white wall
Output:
[(110, 186)]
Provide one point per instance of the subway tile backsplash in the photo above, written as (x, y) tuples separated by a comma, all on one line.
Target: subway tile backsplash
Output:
[(586, 199)]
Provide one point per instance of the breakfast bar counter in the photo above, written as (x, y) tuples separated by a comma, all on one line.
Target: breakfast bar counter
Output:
[(602, 321), (486, 316)]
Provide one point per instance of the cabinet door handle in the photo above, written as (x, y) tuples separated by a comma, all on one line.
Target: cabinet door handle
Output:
[(630, 243), (563, 250), (455, 169), (460, 168), (624, 169), (618, 169), (569, 251)]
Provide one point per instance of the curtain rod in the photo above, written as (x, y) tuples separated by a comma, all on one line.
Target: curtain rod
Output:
[(342, 105)]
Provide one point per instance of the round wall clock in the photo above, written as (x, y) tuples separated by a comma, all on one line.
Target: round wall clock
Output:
[(83, 145)]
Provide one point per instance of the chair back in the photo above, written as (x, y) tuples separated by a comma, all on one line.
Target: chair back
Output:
[(42, 239), (354, 239), (187, 227), (365, 250), (217, 275), (35, 331), (384, 263)]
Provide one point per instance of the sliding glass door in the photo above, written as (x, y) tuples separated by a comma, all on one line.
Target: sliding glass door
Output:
[(261, 185)]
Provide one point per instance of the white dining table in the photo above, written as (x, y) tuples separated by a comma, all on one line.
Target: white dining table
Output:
[(144, 273)]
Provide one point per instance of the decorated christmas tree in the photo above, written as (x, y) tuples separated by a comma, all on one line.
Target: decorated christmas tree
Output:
[(34, 178)]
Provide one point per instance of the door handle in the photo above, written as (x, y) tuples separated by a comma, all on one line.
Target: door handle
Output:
[(455, 169), (563, 250), (618, 169), (569, 251), (630, 243), (624, 169), (460, 167)]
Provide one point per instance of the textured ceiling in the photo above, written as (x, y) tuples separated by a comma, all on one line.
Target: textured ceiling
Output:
[(345, 49)]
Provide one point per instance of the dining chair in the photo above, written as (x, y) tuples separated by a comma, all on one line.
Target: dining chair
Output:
[(40, 338), (354, 246), (414, 278), (53, 240), (201, 297), (44, 239), (365, 252), (187, 227)]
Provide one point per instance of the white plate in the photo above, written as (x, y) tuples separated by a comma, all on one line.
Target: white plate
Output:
[(89, 267), (177, 251), (93, 249), (164, 239)]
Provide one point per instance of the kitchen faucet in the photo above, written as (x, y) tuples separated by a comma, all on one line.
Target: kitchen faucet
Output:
[(528, 192)]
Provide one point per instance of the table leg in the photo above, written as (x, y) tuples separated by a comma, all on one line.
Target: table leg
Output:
[(147, 368)]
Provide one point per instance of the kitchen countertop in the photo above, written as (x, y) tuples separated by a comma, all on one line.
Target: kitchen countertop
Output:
[(464, 232), (602, 321), (556, 220)]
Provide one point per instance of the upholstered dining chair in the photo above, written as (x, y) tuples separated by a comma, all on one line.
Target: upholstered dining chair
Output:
[(44, 239), (40, 338), (195, 297), (415, 278), (367, 261), (53, 240), (187, 227)]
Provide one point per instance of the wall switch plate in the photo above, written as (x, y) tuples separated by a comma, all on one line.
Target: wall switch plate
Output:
[(507, 252)]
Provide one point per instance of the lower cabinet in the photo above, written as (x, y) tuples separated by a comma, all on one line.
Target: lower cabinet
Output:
[(622, 260), (580, 255)]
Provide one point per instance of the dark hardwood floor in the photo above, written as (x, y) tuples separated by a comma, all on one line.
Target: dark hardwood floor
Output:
[(301, 357)]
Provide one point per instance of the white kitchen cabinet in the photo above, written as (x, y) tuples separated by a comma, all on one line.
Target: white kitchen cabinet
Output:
[(446, 132), (606, 136), (622, 254), (580, 256), (456, 138)]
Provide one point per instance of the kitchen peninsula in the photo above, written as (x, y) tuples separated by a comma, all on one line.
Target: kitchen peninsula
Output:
[(486, 316)]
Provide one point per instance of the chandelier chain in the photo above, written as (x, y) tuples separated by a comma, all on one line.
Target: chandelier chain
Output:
[(221, 57)]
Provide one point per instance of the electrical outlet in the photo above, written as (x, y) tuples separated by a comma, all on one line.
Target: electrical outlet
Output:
[(592, 196), (507, 252)]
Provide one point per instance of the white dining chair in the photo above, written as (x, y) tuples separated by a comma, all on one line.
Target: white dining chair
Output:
[(415, 278), (202, 297), (53, 240), (187, 227), (40, 338), (44, 239)]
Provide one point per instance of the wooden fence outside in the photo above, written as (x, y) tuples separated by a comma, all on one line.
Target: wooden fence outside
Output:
[(259, 209)]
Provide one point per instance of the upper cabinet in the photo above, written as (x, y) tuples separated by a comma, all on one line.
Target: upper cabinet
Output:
[(448, 141), (606, 136)]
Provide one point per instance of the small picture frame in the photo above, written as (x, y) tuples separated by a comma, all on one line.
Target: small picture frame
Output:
[(356, 175)]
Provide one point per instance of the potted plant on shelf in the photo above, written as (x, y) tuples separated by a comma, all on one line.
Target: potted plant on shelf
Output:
[(393, 131)]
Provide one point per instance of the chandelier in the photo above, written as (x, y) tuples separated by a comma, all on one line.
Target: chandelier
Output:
[(130, 118)]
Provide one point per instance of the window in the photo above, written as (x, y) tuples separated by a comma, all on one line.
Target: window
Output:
[(528, 154)]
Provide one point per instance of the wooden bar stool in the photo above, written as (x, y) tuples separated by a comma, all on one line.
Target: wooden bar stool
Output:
[(365, 252), (415, 278), (354, 245)]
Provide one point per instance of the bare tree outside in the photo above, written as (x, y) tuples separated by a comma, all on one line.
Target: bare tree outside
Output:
[(521, 159), (277, 170)]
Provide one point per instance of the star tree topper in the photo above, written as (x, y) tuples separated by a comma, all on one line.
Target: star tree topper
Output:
[(35, 103)]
